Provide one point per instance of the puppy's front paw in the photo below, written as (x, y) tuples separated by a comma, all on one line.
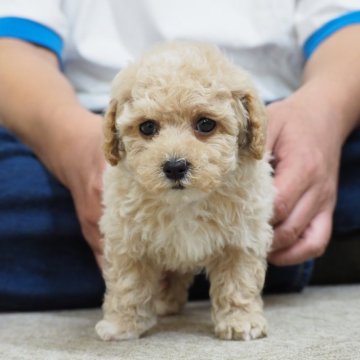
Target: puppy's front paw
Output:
[(112, 330), (108, 330), (241, 326)]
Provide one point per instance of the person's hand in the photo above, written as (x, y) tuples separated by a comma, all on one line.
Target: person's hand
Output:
[(83, 166), (305, 141)]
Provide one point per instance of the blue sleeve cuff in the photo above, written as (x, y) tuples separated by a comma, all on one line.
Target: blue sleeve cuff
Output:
[(31, 31), (328, 29)]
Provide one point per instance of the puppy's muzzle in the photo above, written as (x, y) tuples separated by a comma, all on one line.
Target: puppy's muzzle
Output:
[(176, 169)]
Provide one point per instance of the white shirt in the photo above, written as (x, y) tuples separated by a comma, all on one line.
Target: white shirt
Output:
[(99, 37)]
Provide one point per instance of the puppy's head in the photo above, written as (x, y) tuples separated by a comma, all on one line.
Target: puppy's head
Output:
[(182, 118)]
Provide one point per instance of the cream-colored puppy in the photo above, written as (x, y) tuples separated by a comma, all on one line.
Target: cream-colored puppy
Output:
[(188, 188)]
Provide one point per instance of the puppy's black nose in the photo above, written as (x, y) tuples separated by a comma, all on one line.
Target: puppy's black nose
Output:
[(176, 169)]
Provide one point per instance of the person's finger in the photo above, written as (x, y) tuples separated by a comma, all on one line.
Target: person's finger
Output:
[(99, 260), (274, 128), (312, 244), (289, 231), (96, 244), (92, 235), (290, 183)]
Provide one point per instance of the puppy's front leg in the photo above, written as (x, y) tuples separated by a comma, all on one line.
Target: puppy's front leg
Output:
[(237, 279), (128, 310)]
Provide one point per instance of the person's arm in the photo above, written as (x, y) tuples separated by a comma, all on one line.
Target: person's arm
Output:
[(306, 133), (39, 105)]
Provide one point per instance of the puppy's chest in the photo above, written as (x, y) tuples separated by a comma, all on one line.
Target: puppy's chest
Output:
[(184, 237)]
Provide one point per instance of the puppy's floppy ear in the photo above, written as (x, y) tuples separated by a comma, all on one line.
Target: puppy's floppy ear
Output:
[(253, 110), (121, 95), (113, 146)]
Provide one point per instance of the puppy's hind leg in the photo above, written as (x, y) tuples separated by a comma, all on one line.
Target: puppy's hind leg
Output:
[(237, 278), (173, 293), (128, 310)]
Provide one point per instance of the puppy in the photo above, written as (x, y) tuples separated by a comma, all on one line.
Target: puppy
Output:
[(188, 189)]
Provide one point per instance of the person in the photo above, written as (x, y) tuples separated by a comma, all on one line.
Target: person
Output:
[(57, 60)]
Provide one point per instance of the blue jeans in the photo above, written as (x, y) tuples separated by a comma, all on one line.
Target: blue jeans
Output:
[(45, 262)]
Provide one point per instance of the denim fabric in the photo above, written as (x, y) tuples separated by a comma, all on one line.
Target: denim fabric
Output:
[(44, 261), (46, 264)]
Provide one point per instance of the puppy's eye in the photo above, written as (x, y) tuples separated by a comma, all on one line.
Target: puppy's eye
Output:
[(148, 128), (205, 125)]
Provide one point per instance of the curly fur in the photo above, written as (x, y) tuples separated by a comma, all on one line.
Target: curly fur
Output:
[(218, 221)]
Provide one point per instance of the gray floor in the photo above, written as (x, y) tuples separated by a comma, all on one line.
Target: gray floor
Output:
[(321, 323)]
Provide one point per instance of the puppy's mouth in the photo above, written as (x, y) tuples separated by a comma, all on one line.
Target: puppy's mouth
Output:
[(178, 186)]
